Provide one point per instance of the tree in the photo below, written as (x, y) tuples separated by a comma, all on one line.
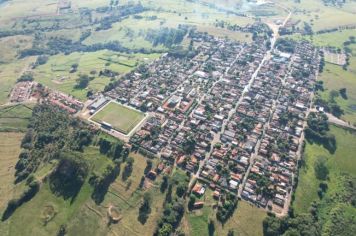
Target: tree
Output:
[(145, 208), (164, 184), (181, 189), (82, 82), (332, 95), (62, 230), (320, 168), (343, 94), (25, 77), (211, 227), (165, 230), (104, 145), (191, 202), (148, 167), (69, 176), (231, 232), (128, 169), (142, 182)]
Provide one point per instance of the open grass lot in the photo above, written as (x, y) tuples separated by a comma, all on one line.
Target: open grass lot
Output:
[(9, 153), (333, 39), (120, 117), (343, 160), (15, 117), (127, 198), (10, 47), (246, 220), (32, 214), (334, 78), (55, 73), (9, 73), (319, 16)]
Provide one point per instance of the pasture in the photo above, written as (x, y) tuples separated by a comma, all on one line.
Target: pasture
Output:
[(246, 220), (15, 117), (56, 72), (9, 73), (127, 197), (335, 78), (333, 39), (343, 160), (121, 118), (9, 153), (319, 16), (44, 214)]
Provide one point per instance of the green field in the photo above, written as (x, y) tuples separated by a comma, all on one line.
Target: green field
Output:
[(333, 39), (32, 214), (319, 16), (120, 117), (15, 117), (9, 73), (343, 160), (9, 153), (55, 73), (335, 78), (246, 220)]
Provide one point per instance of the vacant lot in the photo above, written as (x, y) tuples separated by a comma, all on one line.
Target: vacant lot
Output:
[(120, 117), (343, 160), (246, 220), (335, 78)]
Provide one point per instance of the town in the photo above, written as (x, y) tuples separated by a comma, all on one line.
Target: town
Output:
[(231, 114)]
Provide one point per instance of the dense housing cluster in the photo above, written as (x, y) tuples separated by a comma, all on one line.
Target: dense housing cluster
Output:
[(231, 114)]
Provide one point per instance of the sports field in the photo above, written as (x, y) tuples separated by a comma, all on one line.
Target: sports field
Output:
[(121, 118)]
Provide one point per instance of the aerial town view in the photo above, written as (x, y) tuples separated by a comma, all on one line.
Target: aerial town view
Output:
[(178, 117)]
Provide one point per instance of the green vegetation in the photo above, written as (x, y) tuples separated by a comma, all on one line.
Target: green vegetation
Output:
[(27, 195), (51, 131), (58, 72), (317, 131), (120, 117), (335, 78), (9, 152), (15, 117), (324, 199), (340, 161), (246, 220)]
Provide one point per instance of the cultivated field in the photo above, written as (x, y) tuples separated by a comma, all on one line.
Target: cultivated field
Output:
[(120, 117)]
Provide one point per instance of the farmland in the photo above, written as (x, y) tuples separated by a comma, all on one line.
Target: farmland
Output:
[(120, 117)]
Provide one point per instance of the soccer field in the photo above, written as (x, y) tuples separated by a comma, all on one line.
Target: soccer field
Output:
[(121, 118)]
